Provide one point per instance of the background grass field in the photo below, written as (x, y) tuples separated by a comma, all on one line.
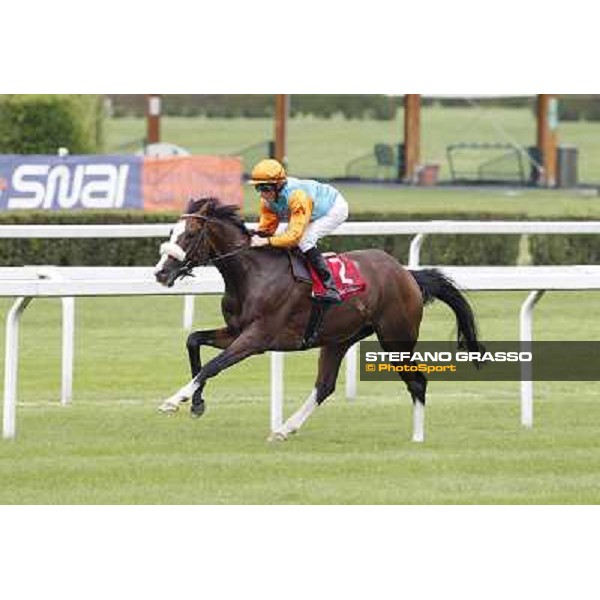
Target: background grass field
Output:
[(323, 147), (112, 447)]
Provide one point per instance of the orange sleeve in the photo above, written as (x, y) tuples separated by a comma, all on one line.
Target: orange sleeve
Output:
[(301, 205), (268, 220)]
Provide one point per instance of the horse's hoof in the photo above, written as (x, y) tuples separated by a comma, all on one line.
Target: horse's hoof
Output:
[(197, 410), (168, 408), (277, 436)]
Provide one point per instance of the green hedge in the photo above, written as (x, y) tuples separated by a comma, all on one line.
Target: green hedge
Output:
[(565, 249), (572, 107), (436, 249), (579, 107), (40, 124), (83, 252), (249, 106)]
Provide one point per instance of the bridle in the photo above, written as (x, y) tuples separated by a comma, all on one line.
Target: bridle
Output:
[(200, 242)]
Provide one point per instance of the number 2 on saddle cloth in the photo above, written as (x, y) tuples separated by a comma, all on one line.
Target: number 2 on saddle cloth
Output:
[(348, 281)]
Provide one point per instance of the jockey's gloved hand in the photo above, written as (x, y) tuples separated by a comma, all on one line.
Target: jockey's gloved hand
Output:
[(257, 242), (260, 233)]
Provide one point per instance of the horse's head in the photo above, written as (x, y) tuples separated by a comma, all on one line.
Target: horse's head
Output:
[(207, 231)]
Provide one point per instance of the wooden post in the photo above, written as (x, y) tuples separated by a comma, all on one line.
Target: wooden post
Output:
[(153, 118), (281, 115), (412, 136), (547, 124)]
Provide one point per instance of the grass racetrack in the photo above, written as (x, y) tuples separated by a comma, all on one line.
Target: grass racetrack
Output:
[(112, 447)]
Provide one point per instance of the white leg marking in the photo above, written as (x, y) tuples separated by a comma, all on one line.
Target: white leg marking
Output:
[(171, 404), (418, 422), (296, 420)]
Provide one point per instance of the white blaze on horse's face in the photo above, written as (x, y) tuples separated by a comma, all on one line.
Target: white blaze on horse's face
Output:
[(171, 249)]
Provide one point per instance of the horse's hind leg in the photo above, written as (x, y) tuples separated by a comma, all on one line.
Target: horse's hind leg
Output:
[(415, 381), (417, 386), (216, 338)]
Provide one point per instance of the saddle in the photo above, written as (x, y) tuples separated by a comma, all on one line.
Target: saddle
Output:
[(346, 274), (347, 278)]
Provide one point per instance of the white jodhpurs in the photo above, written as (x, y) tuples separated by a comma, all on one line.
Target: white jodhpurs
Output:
[(325, 225)]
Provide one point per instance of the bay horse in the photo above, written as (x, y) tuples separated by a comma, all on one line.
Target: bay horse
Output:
[(266, 309)]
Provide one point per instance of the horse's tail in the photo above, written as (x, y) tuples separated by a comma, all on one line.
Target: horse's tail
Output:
[(434, 284)]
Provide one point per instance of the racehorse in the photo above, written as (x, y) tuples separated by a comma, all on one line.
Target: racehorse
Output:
[(266, 309)]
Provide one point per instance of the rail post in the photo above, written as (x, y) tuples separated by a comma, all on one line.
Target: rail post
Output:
[(526, 336), (11, 360)]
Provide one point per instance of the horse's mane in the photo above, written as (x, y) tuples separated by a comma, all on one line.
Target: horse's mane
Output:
[(213, 208)]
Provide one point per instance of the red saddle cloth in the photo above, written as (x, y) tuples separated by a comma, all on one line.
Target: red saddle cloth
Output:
[(345, 272)]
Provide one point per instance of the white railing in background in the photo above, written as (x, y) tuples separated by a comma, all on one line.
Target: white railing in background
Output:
[(135, 281), (420, 229)]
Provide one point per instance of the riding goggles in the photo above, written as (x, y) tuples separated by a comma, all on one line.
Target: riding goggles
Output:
[(265, 187)]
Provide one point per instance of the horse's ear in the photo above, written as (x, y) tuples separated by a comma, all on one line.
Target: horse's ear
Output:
[(193, 221), (195, 210), (200, 206)]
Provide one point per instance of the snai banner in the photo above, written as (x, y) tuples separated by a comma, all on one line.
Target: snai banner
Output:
[(101, 182)]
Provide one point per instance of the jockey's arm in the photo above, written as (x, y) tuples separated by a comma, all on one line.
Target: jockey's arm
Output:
[(300, 205), (268, 221)]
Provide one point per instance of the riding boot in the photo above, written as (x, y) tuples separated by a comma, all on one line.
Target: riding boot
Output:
[(331, 295)]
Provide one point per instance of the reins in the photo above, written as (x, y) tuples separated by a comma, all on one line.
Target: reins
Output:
[(237, 250)]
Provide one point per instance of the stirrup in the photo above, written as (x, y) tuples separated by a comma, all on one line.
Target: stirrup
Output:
[(336, 296), (330, 296)]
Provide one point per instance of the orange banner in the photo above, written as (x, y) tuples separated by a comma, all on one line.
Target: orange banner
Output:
[(170, 183)]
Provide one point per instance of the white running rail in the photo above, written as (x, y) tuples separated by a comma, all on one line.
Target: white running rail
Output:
[(72, 282)]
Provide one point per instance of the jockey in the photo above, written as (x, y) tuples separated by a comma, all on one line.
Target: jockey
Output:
[(314, 210)]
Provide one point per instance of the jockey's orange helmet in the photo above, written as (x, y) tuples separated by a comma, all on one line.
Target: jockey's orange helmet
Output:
[(268, 170)]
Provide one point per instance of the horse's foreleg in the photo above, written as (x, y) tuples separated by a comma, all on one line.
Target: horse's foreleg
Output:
[(329, 365), (216, 338), (242, 347), (171, 404), (296, 420)]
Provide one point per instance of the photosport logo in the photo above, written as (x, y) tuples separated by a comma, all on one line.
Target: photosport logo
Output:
[(497, 361)]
